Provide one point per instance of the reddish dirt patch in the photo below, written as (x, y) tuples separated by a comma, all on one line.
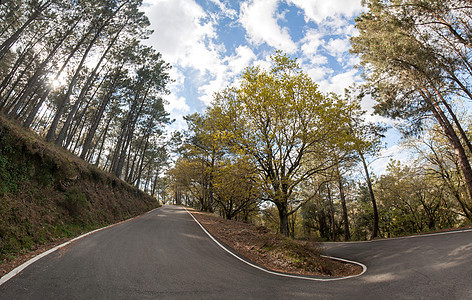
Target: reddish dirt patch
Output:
[(273, 251)]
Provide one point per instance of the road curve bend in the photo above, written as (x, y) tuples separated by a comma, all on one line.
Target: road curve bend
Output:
[(165, 254)]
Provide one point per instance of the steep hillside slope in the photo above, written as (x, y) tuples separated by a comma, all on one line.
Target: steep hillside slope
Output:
[(47, 193)]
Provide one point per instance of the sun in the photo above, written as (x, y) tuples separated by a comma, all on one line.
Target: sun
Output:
[(57, 82)]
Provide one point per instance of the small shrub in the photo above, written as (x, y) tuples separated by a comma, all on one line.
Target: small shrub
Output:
[(76, 202), (27, 242), (45, 176)]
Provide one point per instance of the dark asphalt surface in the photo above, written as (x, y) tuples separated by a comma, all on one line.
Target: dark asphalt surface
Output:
[(165, 254)]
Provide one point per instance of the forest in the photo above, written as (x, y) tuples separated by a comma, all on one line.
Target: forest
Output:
[(78, 73), (273, 149), (276, 151)]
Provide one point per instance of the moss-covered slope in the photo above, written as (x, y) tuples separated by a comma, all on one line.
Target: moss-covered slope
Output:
[(46, 193)]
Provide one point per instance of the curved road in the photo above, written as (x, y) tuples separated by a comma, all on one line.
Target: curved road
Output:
[(165, 254)]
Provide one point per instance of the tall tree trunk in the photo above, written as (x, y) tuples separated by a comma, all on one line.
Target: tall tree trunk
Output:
[(453, 139), (8, 43), (4, 2), (130, 132), (331, 213), (375, 227), (52, 130), (32, 83), (98, 116), (5, 104), (347, 233), (21, 59), (210, 183), (34, 112), (91, 78), (48, 90), (103, 142), (154, 184), (65, 100), (80, 121), (141, 165), (120, 145), (283, 217), (443, 101)]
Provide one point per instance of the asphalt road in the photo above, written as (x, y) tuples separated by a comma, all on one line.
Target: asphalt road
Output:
[(165, 254)]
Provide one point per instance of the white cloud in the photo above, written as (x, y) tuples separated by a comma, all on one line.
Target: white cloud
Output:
[(176, 105), (207, 91), (395, 152), (338, 47), (339, 82), (320, 10), (259, 19), (312, 41), (187, 36), (230, 68), (318, 74), (230, 13), (264, 61), (310, 46), (184, 33), (243, 58)]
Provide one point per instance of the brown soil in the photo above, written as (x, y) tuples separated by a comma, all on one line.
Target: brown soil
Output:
[(273, 251)]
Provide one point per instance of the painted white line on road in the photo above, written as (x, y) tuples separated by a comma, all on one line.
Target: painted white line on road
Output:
[(20, 268), (426, 235), (364, 268)]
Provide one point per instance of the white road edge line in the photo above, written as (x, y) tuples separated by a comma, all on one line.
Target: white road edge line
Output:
[(426, 235), (20, 268), (364, 268)]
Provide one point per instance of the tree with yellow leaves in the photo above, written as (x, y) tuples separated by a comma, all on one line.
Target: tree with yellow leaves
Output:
[(280, 119)]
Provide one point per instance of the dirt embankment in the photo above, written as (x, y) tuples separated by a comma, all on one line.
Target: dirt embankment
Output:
[(48, 195), (273, 251)]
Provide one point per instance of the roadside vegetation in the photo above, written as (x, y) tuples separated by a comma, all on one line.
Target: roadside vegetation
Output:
[(78, 74), (275, 151), (77, 81), (274, 251), (47, 194), (272, 149)]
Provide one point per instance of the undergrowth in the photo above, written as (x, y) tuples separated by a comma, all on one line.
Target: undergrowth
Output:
[(47, 194)]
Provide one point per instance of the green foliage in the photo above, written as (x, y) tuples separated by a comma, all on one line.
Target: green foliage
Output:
[(416, 57), (363, 216), (14, 169), (45, 176), (413, 200), (35, 211), (280, 119), (236, 187), (316, 221), (76, 202)]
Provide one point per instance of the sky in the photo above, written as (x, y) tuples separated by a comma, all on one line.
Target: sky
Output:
[(210, 42)]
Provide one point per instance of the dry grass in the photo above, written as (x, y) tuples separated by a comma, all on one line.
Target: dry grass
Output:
[(273, 251)]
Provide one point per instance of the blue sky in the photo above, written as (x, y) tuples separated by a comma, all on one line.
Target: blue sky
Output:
[(210, 42)]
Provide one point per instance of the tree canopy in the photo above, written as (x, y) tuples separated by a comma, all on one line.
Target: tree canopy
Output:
[(78, 73)]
